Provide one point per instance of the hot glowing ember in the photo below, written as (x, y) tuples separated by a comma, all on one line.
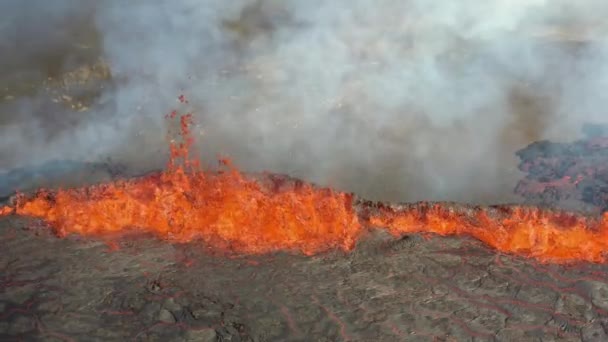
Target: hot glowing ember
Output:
[(543, 234)]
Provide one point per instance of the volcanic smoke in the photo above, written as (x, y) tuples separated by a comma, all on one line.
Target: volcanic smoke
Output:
[(237, 212), (393, 100)]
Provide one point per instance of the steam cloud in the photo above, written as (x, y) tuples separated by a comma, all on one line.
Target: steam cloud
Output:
[(394, 100)]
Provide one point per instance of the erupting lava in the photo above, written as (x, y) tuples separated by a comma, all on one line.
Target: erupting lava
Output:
[(233, 211), (184, 203), (547, 235)]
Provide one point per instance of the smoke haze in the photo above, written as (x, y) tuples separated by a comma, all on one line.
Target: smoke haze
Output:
[(394, 100)]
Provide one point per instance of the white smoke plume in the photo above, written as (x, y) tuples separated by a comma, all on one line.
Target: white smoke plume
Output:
[(394, 100)]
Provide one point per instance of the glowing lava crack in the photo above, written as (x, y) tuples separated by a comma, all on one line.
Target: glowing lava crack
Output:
[(229, 210)]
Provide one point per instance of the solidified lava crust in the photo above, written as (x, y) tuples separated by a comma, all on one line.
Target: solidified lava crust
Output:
[(561, 171), (408, 289)]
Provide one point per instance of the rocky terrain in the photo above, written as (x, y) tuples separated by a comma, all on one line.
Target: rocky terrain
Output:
[(418, 288)]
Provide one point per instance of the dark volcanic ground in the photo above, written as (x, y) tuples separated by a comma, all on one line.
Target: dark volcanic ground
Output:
[(413, 289)]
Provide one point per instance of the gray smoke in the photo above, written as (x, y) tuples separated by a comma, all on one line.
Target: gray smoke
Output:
[(395, 100)]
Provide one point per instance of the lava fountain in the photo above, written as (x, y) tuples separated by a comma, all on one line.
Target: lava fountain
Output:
[(184, 203), (237, 212)]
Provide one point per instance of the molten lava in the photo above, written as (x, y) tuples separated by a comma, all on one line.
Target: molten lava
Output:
[(5, 211), (543, 234), (184, 203), (236, 212)]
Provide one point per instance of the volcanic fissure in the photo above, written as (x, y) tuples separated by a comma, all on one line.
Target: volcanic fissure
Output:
[(260, 214)]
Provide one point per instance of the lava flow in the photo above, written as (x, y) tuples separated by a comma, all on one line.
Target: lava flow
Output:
[(554, 236), (233, 211), (183, 203)]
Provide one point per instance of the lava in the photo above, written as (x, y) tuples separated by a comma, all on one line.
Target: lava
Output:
[(553, 236), (5, 210), (184, 203), (231, 210)]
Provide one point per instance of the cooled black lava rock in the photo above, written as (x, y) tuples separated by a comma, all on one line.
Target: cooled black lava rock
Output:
[(560, 171)]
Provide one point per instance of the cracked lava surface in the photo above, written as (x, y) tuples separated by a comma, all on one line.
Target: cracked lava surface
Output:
[(417, 288)]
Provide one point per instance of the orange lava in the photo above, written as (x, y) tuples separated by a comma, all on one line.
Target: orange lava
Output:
[(235, 212), (6, 210), (183, 204), (543, 234)]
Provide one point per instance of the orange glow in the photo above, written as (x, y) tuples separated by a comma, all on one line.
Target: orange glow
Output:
[(235, 212), (6, 210), (183, 204), (543, 234)]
